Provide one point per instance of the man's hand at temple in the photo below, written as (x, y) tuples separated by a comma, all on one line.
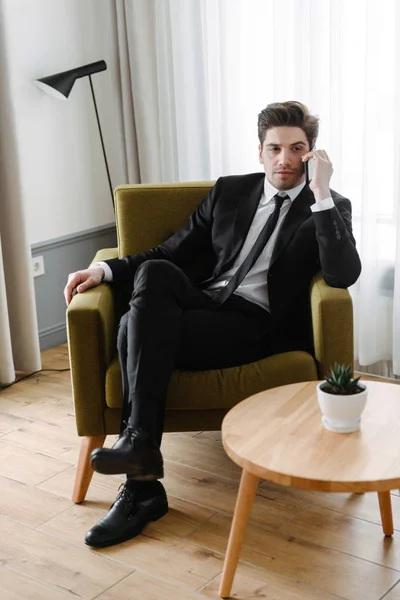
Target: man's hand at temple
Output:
[(82, 281), (323, 170)]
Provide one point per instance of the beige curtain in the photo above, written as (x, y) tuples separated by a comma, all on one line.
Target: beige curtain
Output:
[(19, 338)]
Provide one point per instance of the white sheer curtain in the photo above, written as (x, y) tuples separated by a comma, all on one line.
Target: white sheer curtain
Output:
[(199, 71)]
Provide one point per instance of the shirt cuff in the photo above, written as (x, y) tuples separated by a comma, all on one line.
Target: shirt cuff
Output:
[(325, 204), (108, 276)]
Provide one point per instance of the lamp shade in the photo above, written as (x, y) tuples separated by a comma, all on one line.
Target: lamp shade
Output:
[(61, 84)]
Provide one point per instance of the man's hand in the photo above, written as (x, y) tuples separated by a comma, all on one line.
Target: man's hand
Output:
[(82, 280), (319, 183)]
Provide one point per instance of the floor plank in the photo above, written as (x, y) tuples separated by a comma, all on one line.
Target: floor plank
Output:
[(101, 493), (354, 536), (46, 439), (143, 586), (394, 594), (195, 452), (9, 423), (311, 564), (219, 494), (252, 583), (52, 410), (363, 506), (28, 467), (170, 558), (15, 586), (28, 505), (56, 563)]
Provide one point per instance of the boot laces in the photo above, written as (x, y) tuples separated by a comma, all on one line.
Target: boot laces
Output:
[(126, 496), (131, 432)]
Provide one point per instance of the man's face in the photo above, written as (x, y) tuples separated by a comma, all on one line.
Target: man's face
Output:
[(281, 155)]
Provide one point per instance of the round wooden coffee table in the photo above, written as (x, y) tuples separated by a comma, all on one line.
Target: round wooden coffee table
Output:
[(278, 435)]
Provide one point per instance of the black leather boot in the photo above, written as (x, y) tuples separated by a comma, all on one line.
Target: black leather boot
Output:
[(127, 516), (134, 453)]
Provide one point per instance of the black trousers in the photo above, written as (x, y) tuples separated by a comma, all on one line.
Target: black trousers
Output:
[(171, 323)]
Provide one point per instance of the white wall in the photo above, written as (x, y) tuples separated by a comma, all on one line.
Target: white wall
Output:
[(63, 179)]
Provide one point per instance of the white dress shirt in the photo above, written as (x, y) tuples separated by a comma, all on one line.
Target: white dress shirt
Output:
[(254, 286)]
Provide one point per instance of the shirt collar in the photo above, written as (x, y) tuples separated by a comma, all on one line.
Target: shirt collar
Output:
[(270, 191)]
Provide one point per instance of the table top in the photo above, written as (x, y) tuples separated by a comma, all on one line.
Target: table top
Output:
[(278, 435)]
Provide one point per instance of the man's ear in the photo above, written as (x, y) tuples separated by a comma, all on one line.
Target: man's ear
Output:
[(260, 153)]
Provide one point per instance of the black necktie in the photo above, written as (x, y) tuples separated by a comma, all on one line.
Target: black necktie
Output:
[(263, 237)]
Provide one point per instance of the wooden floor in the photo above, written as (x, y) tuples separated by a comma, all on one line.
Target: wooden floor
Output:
[(299, 545)]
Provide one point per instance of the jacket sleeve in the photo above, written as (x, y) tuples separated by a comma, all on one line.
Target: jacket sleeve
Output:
[(181, 248), (340, 262)]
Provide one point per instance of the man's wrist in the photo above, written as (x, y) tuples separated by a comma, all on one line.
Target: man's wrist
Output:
[(100, 268), (321, 194), (107, 273), (325, 204)]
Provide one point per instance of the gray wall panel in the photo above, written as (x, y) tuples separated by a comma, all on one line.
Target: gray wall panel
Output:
[(61, 257)]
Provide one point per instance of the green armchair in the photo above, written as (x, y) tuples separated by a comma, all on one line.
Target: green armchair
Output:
[(146, 215)]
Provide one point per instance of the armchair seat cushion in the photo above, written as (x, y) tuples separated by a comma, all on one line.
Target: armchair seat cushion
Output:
[(222, 388)]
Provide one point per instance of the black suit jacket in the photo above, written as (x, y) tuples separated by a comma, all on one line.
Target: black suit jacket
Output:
[(307, 242)]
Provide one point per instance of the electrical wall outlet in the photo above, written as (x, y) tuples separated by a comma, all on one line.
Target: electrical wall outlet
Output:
[(37, 266)]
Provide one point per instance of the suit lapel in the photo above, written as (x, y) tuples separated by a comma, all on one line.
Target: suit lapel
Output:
[(298, 212), (246, 209)]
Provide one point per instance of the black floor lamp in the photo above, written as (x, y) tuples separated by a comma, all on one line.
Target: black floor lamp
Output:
[(60, 86)]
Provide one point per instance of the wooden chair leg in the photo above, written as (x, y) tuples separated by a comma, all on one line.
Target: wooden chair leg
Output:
[(84, 471), (385, 505)]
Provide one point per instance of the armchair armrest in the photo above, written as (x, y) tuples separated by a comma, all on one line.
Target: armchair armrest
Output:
[(105, 254), (91, 330), (332, 321)]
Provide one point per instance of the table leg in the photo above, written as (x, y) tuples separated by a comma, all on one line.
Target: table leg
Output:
[(385, 505), (244, 503)]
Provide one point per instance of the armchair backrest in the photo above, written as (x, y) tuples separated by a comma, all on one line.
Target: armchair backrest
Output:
[(148, 214)]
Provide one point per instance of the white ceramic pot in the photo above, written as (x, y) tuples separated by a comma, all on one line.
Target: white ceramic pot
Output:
[(341, 414)]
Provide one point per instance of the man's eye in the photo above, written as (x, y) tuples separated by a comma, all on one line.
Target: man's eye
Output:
[(272, 149), (298, 149)]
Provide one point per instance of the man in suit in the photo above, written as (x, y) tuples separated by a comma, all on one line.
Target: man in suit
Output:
[(229, 288)]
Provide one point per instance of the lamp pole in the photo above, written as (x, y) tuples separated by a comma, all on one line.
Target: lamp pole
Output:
[(102, 141)]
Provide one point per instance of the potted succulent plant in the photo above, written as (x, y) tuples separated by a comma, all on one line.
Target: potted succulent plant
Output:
[(342, 399)]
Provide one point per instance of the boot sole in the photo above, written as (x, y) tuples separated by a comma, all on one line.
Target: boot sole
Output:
[(117, 467), (133, 532)]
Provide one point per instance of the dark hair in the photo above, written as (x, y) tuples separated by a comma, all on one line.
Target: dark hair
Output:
[(292, 114)]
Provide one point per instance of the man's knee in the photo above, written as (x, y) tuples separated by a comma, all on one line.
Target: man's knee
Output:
[(153, 273)]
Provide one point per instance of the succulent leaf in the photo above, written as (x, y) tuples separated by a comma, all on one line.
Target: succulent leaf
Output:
[(339, 380)]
